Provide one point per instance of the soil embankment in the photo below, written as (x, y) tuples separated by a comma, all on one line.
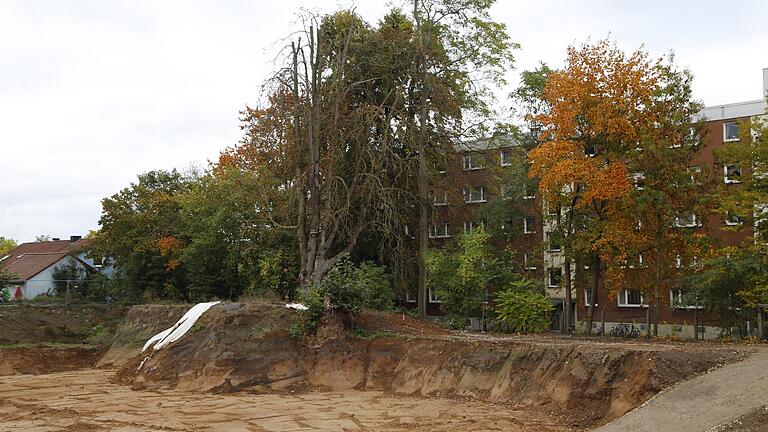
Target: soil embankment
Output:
[(247, 347)]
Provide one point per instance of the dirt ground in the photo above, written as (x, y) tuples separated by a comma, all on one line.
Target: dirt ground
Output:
[(86, 400)]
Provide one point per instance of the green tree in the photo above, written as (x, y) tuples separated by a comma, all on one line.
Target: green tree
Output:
[(522, 306), (6, 244)]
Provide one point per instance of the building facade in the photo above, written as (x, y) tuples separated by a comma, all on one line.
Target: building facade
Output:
[(473, 180)]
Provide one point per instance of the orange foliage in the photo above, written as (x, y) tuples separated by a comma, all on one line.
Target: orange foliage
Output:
[(169, 246)]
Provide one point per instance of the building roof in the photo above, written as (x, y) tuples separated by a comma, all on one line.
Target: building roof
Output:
[(492, 143), (28, 259), (733, 110)]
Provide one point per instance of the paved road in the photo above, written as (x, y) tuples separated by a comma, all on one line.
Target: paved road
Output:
[(703, 402)]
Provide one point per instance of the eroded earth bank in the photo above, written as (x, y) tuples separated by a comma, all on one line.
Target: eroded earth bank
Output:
[(239, 369)]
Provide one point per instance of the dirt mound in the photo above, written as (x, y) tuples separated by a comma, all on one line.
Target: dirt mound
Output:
[(42, 360), (139, 324), (247, 347), (374, 321), (57, 323)]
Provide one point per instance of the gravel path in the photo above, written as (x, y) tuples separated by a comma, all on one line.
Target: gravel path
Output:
[(703, 403)]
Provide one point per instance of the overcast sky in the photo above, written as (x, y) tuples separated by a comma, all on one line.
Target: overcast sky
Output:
[(94, 92)]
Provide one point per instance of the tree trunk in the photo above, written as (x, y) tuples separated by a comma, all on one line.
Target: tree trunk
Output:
[(596, 271), (423, 178), (657, 287), (568, 292)]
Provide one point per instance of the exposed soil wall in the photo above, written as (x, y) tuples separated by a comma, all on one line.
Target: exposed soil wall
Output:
[(56, 323), (247, 347), (40, 360)]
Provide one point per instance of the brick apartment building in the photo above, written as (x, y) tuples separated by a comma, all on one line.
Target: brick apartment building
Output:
[(473, 180)]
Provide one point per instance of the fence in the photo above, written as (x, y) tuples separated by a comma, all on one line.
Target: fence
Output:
[(55, 289)]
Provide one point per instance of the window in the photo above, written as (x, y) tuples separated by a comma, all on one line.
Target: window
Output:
[(433, 298), (732, 219), (410, 298), (505, 157), (470, 226), (474, 194), (439, 231), (553, 211), (631, 298), (552, 244), (507, 192), (529, 225), (590, 150), (693, 136), (473, 161), (527, 262), (553, 277), (730, 131), (587, 294), (695, 172), (439, 199), (529, 191), (732, 174), (638, 179), (678, 261), (687, 221), (680, 299)]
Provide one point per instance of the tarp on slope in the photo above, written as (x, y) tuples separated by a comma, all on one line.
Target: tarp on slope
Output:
[(182, 326)]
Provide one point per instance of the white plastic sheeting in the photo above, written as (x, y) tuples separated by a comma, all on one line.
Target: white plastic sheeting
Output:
[(182, 326), (297, 306)]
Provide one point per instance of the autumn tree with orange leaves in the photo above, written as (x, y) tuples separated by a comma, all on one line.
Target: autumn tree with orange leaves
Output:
[(604, 107)]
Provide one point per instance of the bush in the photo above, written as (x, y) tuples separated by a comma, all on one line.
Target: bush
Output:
[(521, 309), (348, 289)]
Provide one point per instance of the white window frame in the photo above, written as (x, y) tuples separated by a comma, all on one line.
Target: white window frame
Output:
[(549, 277), (586, 298), (549, 244), (471, 226), (729, 221), (445, 233), (621, 299), (433, 298), (526, 228), (468, 194), (505, 161), (678, 261), (726, 178), (696, 222), (725, 131), (409, 298), (679, 303), (526, 193), (527, 266), (636, 178), (443, 202), (468, 164)]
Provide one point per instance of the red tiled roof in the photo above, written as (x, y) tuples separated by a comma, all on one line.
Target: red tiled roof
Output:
[(28, 259)]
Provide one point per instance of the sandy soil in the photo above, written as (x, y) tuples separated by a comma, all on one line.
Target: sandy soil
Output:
[(86, 400)]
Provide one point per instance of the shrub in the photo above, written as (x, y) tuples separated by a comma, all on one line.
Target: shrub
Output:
[(522, 309)]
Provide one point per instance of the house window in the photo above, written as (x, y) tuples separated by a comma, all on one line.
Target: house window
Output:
[(552, 244), (553, 211), (678, 261), (631, 298), (695, 172), (680, 299), (732, 219), (440, 199), (732, 174), (470, 227), (433, 298), (438, 231), (686, 221), (587, 294), (507, 192), (693, 136), (529, 191), (590, 150), (474, 194), (553, 277), (638, 179), (410, 298), (529, 225), (730, 131), (527, 262), (473, 161), (505, 157)]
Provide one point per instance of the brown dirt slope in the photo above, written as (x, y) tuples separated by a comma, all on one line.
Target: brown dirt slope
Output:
[(40, 360), (55, 323), (247, 347)]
